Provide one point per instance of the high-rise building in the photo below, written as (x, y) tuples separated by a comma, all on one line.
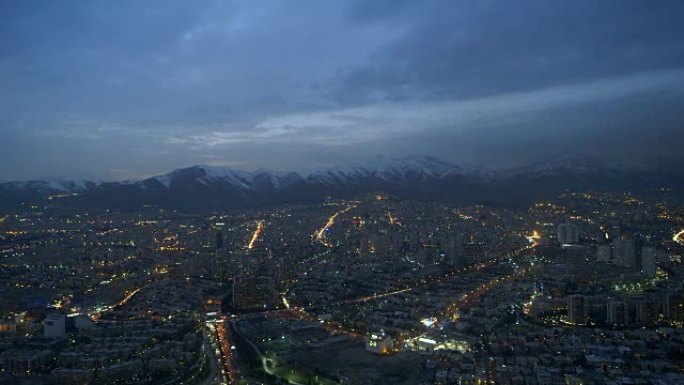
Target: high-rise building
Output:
[(617, 313), (597, 309), (673, 307), (648, 260), (54, 326), (577, 310), (604, 253), (453, 250), (625, 252), (568, 234), (646, 310)]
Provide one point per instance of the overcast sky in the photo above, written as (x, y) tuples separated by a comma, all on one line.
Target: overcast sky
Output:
[(125, 89)]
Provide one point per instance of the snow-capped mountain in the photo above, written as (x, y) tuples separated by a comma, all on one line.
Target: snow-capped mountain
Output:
[(50, 186), (225, 177), (420, 177), (388, 170), (13, 194)]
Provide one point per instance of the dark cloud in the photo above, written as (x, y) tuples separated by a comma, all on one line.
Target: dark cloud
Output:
[(468, 49), (110, 89)]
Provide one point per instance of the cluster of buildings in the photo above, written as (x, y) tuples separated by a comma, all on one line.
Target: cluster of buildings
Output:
[(585, 289)]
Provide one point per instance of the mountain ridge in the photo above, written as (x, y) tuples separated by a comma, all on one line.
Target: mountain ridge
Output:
[(417, 176)]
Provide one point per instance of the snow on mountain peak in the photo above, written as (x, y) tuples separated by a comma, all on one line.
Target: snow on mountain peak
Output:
[(213, 175), (52, 185)]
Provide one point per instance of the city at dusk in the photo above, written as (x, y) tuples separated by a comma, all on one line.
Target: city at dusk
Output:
[(341, 192)]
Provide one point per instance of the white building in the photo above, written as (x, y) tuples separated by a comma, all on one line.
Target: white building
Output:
[(54, 326)]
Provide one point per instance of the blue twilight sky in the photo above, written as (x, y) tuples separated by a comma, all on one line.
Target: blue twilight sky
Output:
[(124, 89)]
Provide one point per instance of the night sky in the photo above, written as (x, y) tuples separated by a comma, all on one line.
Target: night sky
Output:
[(112, 90)]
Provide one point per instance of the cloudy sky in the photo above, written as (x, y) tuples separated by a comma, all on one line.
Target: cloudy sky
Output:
[(124, 89)]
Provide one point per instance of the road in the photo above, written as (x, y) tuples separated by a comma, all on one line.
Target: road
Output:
[(300, 312), (215, 376), (320, 234), (256, 234), (95, 315), (679, 237), (418, 285)]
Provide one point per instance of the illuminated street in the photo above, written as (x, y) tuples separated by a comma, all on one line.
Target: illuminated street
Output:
[(320, 234), (679, 237), (256, 234)]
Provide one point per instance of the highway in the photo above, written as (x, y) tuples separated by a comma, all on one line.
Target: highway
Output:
[(208, 348), (256, 234), (320, 234)]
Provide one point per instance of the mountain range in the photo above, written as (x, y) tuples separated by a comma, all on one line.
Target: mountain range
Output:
[(207, 188)]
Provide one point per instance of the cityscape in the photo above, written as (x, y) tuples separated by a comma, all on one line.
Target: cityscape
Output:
[(584, 288), (357, 192)]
